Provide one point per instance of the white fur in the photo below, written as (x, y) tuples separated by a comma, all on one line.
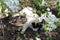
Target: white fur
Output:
[(31, 17)]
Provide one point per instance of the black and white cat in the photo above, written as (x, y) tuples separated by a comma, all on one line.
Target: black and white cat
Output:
[(32, 19)]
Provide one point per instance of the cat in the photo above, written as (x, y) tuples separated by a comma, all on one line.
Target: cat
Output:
[(31, 19)]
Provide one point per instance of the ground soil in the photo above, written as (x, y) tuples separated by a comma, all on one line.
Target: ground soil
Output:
[(10, 31)]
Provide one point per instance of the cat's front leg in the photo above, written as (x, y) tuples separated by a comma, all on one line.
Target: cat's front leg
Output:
[(25, 26)]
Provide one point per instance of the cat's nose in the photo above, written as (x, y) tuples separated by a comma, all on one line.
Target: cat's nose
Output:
[(22, 16), (33, 23)]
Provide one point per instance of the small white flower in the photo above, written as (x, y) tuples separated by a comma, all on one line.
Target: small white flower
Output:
[(43, 2), (50, 29), (50, 13), (12, 4), (51, 24), (50, 19), (6, 10), (38, 38), (48, 9), (47, 19)]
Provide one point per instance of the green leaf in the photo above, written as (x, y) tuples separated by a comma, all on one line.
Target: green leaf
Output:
[(58, 13), (46, 27), (58, 5), (2, 1), (56, 23), (39, 12), (42, 7), (49, 38), (36, 1), (36, 34), (0, 8)]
